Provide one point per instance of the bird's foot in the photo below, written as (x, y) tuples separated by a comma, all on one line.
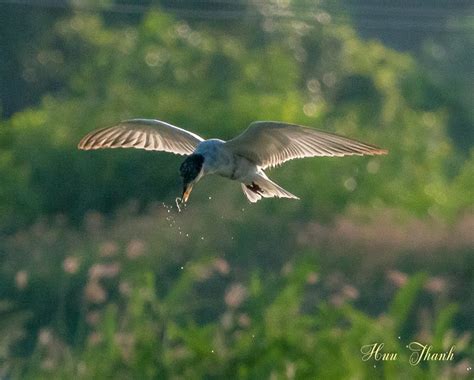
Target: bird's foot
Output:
[(255, 188)]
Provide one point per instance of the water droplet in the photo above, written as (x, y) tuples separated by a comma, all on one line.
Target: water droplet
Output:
[(350, 184), (179, 202)]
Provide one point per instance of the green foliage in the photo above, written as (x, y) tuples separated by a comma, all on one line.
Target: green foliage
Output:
[(319, 75), (445, 60), (146, 338), (127, 298), (224, 290), (12, 330), (403, 302)]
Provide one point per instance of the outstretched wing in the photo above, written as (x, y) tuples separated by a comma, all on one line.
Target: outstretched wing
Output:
[(142, 134), (271, 143)]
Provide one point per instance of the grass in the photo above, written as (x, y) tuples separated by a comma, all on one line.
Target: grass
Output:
[(155, 294)]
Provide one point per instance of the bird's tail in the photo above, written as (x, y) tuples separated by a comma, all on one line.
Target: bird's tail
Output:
[(263, 187)]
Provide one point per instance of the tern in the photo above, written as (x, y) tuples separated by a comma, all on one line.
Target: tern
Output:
[(263, 145)]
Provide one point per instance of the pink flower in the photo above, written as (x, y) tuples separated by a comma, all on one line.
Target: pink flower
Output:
[(21, 279), (235, 295), (221, 266), (135, 249), (95, 293), (109, 248), (99, 271), (71, 264)]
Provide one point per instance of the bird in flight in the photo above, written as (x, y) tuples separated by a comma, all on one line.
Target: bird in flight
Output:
[(263, 145)]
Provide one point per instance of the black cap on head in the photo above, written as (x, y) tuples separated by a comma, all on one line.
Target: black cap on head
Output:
[(191, 167)]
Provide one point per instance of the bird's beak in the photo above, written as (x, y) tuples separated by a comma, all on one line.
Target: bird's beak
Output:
[(186, 192)]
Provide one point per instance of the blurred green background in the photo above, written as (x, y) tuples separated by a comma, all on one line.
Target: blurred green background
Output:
[(101, 277)]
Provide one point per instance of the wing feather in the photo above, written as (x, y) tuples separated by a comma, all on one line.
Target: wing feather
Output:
[(271, 143), (142, 134)]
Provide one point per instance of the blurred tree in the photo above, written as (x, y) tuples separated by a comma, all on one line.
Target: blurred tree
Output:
[(305, 69), (448, 62), (23, 77)]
